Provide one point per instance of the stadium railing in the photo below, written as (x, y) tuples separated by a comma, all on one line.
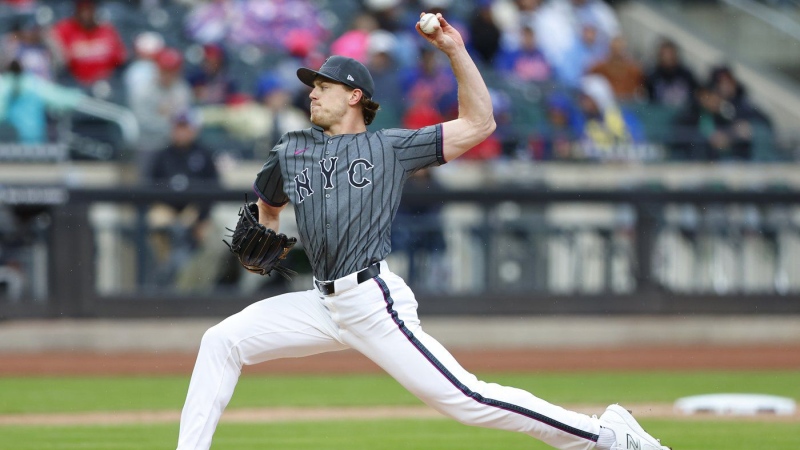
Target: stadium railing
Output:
[(90, 253)]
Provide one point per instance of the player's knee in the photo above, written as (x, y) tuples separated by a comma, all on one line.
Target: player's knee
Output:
[(215, 338)]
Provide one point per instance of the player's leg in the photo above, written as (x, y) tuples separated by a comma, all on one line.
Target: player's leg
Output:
[(289, 325), (390, 335)]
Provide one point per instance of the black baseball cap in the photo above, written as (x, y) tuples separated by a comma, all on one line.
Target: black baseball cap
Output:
[(345, 70)]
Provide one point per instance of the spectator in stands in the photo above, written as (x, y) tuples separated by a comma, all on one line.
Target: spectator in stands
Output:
[(209, 22), (559, 22), (670, 83), (180, 228), (601, 125), (158, 102), (732, 91), (599, 13), (422, 101), (184, 163), (711, 129), (143, 70), (353, 43), (511, 16), (25, 98), (622, 72), (302, 51), (484, 32), (264, 24), (429, 87), (276, 102), (383, 66), (555, 140), (211, 83), (26, 45), (420, 114), (586, 52), (388, 13), (91, 50), (393, 16), (262, 121), (526, 63), (431, 84)]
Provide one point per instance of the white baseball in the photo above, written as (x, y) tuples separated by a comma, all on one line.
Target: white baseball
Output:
[(428, 23)]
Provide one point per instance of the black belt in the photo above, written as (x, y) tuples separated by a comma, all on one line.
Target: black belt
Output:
[(327, 287)]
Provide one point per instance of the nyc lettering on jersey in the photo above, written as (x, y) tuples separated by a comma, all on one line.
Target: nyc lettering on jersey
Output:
[(344, 188), (356, 176)]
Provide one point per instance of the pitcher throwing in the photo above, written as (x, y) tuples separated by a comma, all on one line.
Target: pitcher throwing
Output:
[(345, 184)]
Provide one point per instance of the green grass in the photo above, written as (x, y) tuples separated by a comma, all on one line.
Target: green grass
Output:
[(33, 395), (652, 386), (38, 395), (734, 435), (385, 434), (46, 394)]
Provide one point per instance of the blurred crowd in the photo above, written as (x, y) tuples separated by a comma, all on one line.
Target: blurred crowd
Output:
[(564, 84), (208, 81)]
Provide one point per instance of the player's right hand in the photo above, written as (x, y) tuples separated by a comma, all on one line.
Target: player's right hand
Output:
[(446, 38)]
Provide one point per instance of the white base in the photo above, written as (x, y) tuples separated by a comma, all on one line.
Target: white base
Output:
[(736, 404)]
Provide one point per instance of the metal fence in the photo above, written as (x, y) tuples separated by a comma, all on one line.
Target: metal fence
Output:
[(126, 253)]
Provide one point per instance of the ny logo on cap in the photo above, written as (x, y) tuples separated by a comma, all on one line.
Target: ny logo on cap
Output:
[(350, 77)]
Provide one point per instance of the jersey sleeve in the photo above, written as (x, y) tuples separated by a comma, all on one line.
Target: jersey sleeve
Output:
[(269, 181), (417, 149)]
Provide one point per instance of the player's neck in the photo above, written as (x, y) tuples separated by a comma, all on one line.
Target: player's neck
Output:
[(350, 124)]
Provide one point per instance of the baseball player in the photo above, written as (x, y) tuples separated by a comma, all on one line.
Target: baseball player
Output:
[(345, 183)]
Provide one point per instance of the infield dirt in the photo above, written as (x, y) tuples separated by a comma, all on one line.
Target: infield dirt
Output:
[(517, 360)]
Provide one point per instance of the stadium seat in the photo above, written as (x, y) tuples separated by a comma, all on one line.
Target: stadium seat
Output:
[(656, 120)]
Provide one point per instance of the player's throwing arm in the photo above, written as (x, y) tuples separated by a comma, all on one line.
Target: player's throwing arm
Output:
[(475, 120)]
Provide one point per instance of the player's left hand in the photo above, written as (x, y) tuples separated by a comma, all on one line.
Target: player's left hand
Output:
[(446, 38), (258, 248)]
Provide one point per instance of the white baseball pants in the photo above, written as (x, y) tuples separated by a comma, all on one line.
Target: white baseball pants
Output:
[(379, 319)]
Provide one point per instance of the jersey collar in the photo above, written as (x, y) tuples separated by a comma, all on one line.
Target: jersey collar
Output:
[(317, 133)]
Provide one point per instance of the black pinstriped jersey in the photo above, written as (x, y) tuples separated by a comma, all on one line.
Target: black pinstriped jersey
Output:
[(345, 190)]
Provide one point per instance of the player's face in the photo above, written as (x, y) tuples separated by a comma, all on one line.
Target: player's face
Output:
[(328, 102)]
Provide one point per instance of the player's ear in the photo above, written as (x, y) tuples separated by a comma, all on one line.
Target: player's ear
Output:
[(355, 97)]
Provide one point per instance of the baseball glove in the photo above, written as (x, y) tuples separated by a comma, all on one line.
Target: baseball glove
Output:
[(258, 248)]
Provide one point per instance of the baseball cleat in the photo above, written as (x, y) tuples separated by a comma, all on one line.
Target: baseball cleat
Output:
[(629, 434)]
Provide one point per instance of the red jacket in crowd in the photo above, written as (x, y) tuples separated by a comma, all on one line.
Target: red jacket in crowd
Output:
[(90, 54)]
